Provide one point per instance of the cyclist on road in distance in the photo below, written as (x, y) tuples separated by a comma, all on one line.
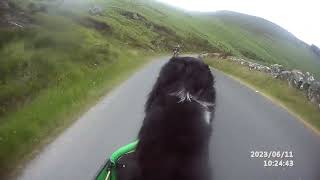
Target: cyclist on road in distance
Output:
[(176, 50)]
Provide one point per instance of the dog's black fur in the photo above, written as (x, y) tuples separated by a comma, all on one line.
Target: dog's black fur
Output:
[(174, 138)]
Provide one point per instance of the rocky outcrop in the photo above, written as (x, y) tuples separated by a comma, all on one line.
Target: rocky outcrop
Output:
[(12, 16), (37, 7), (314, 92), (259, 67), (4, 12), (284, 75), (4, 5), (295, 78), (133, 16), (96, 11), (204, 55), (276, 69)]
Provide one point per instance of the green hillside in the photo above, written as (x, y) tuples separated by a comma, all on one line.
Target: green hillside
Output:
[(56, 57), (235, 33), (270, 42)]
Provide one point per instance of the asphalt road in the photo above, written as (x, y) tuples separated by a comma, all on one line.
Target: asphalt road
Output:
[(245, 121)]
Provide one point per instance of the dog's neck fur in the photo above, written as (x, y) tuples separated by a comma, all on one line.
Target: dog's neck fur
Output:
[(185, 96)]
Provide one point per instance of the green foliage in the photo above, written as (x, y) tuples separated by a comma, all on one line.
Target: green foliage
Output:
[(58, 105)]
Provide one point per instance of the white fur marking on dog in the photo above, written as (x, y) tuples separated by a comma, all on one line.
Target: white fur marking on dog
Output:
[(189, 97), (186, 96), (207, 116)]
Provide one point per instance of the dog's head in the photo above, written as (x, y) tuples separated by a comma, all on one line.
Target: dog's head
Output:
[(188, 78)]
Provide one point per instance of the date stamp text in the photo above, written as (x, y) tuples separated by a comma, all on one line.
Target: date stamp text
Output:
[(274, 158)]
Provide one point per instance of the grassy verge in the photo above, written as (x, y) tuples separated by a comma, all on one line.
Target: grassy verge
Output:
[(291, 99), (56, 107)]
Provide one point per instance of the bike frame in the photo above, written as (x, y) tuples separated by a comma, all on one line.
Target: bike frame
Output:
[(108, 171)]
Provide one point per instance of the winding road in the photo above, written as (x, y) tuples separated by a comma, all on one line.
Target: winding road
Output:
[(245, 121)]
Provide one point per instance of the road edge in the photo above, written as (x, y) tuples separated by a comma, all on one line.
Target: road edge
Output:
[(59, 130), (274, 101)]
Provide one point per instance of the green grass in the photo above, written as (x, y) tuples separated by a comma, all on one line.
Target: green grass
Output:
[(56, 106), (53, 71), (294, 100)]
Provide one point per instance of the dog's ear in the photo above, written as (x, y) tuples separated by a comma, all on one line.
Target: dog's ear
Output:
[(169, 80), (198, 77)]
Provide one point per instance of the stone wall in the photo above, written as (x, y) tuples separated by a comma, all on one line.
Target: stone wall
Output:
[(303, 81), (12, 16)]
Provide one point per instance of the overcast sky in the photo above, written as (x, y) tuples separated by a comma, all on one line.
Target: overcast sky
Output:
[(300, 17)]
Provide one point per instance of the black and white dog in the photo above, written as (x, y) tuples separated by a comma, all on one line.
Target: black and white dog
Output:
[(174, 138)]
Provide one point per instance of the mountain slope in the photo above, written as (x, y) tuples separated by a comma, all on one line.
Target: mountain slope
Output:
[(277, 44), (152, 25), (231, 32)]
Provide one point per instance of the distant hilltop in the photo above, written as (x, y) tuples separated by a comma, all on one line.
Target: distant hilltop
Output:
[(315, 49)]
